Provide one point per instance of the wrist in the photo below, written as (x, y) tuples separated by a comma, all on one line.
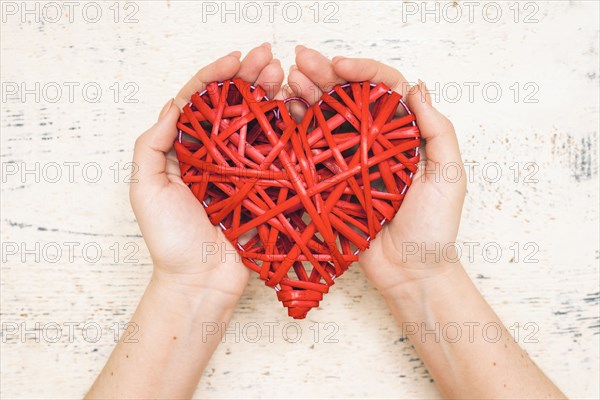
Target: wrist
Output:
[(427, 300), (422, 283), (186, 296)]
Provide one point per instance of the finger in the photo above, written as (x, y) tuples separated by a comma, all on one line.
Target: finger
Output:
[(299, 85), (438, 132), (223, 68), (363, 69), (271, 78), (165, 109), (172, 168), (286, 90), (254, 62), (317, 67), (149, 155)]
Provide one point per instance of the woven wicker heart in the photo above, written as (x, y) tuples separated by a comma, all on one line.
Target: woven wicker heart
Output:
[(298, 200)]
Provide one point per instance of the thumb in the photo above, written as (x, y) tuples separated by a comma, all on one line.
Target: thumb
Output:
[(441, 143), (149, 156), (165, 109)]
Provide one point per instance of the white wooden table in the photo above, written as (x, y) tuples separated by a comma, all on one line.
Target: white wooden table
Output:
[(520, 87)]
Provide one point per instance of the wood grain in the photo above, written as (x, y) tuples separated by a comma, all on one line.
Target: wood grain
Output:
[(550, 213)]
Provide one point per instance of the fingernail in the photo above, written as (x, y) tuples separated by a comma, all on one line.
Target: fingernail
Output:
[(425, 92), (414, 89), (276, 61), (337, 58), (236, 54), (165, 109), (267, 45), (299, 48), (293, 67), (289, 91)]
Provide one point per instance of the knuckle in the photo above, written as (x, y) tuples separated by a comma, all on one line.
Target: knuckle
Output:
[(139, 143), (448, 126)]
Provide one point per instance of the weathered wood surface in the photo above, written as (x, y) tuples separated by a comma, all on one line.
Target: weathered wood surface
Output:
[(550, 213)]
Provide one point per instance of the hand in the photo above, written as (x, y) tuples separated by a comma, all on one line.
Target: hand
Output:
[(430, 213), (430, 290), (174, 224)]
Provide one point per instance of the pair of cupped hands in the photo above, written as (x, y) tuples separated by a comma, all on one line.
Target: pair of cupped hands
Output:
[(193, 257)]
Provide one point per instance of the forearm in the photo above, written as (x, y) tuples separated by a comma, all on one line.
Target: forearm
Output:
[(473, 363), (167, 355)]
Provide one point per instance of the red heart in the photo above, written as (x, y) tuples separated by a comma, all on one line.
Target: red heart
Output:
[(309, 195)]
